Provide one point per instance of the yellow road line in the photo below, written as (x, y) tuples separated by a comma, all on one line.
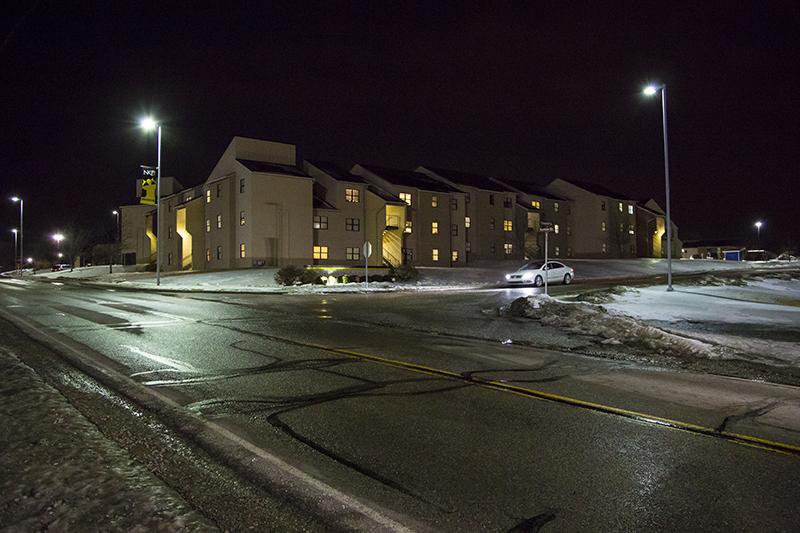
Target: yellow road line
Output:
[(738, 438)]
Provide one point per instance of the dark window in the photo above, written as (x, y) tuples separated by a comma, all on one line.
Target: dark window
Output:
[(507, 201), (453, 203), (491, 199), (454, 230), (241, 185), (352, 224), (320, 222), (219, 252)]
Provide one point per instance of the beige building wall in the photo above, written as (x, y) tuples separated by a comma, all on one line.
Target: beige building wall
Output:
[(134, 239)]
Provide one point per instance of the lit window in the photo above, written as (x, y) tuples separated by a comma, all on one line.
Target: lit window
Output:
[(555, 207), (406, 197), (241, 250), (353, 254), (208, 196), (219, 253), (352, 195), (320, 222), (558, 251), (454, 256), (454, 230), (352, 224), (208, 225), (435, 254), (630, 209), (603, 226), (466, 222), (208, 255), (631, 230), (536, 203), (556, 229), (509, 248), (320, 252), (219, 221), (409, 226), (241, 185), (434, 201), (242, 219), (188, 197), (508, 225), (620, 207), (604, 248), (491, 223), (434, 228)]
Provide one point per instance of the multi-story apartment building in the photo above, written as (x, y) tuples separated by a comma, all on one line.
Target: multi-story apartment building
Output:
[(534, 206), (603, 222), (490, 230), (349, 211), (433, 232), (258, 208)]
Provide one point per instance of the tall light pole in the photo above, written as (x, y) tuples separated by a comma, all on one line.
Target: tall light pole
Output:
[(16, 199), (651, 90), (17, 260), (758, 232), (149, 124), (116, 240)]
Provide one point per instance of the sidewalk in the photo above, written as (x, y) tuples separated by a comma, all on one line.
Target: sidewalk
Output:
[(60, 473)]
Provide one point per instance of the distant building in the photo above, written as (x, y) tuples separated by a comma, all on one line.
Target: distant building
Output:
[(721, 249)]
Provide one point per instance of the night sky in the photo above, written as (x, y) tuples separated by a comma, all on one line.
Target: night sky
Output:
[(530, 93)]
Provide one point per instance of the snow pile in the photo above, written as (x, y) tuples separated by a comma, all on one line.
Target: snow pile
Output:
[(61, 474), (596, 321)]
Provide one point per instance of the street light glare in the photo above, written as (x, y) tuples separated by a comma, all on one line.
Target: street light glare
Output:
[(650, 90), (759, 224), (58, 237), (14, 231), (15, 198), (115, 212), (148, 124)]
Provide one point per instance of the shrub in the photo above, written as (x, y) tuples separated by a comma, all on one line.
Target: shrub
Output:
[(292, 275), (404, 273)]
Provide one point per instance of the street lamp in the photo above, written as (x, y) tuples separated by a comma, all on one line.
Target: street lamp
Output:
[(758, 232), (650, 90), (149, 124), (16, 199), (58, 237)]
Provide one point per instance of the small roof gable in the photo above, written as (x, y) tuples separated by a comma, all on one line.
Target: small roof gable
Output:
[(467, 179), (409, 178), (335, 171), (599, 190), (532, 188), (271, 168)]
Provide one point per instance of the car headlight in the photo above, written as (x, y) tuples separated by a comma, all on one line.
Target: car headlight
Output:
[(508, 276)]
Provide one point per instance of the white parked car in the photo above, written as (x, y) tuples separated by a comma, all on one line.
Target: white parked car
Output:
[(535, 271)]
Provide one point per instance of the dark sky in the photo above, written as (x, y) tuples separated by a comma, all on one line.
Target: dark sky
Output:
[(531, 92)]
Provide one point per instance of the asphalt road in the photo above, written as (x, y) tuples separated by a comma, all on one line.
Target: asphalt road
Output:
[(412, 404)]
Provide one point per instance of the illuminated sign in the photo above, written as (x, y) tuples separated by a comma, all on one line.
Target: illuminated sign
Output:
[(147, 186)]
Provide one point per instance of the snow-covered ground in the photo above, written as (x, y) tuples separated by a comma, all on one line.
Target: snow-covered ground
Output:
[(431, 278), (760, 321), (61, 474)]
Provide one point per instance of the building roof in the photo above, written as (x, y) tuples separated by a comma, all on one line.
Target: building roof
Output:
[(599, 190), (468, 179), (532, 188), (320, 203), (386, 196), (272, 168), (409, 178), (335, 171)]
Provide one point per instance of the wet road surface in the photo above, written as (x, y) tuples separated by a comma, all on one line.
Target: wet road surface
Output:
[(377, 395)]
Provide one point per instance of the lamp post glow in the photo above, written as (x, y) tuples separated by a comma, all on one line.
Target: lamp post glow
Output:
[(16, 199), (17, 259), (651, 90), (149, 124), (758, 231)]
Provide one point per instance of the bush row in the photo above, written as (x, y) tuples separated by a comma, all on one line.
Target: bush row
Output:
[(294, 275)]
